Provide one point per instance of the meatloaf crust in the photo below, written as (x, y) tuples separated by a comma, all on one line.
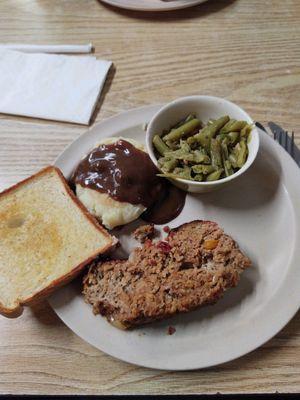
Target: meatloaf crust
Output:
[(192, 267)]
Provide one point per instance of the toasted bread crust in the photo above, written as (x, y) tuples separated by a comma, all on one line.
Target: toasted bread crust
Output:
[(11, 313), (18, 310)]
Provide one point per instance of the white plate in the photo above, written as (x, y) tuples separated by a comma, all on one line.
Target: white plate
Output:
[(261, 210), (153, 5)]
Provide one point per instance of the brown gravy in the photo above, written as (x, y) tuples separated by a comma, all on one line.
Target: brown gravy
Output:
[(127, 174), (167, 207)]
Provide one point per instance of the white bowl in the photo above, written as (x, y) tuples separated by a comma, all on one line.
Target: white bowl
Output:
[(205, 108)]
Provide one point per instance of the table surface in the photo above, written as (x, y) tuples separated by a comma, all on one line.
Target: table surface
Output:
[(246, 51)]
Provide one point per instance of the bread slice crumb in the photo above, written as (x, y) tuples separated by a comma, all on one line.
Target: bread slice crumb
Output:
[(46, 239)]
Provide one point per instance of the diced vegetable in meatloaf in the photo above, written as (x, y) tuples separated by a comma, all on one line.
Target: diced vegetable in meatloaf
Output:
[(192, 267), (144, 232)]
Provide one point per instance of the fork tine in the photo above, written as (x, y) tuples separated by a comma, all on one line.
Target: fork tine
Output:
[(286, 141), (279, 137), (292, 144)]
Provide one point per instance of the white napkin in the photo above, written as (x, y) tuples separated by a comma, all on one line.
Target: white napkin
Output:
[(48, 48), (56, 87)]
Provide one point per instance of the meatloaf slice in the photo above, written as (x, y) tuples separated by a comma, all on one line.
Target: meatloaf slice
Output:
[(192, 267), (144, 232)]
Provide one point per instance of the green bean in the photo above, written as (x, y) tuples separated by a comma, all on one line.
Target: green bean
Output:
[(174, 176), (233, 160), (162, 160), (227, 168), (226, 140), (184, 120), (215, 153), (226, 163), (187, 158), (169, 165), (246, 130), (238, 126), (233, 137), (190, 117), (233, 126), (241, 154), (168, 175), (175, 153), (225, 153), (182, 130), (218, 150), (227, 126), (198, 177), (184, 172), (203, 169), (221, 137), (192, 141), (214, 176), (196, 156), (184, 146), (200, 157), (160, 146), (208, 132), (180, 155), (171, 145)]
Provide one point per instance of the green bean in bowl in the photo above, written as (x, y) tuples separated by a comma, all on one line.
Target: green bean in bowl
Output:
[(203, 152)]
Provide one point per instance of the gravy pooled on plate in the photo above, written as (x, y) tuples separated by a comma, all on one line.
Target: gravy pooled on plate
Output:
[(127, 174)]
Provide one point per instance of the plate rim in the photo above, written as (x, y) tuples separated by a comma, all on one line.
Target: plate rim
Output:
[(165, 7), (267, 332)]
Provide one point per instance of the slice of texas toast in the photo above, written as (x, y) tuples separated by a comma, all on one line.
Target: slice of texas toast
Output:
[(46, 238)]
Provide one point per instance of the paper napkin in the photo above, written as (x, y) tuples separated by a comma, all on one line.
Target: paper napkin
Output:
[(50, 86)]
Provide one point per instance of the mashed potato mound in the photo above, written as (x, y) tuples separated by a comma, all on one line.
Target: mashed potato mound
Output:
[(111, 212)]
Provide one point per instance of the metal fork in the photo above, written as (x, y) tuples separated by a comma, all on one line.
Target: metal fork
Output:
[(284, 139)]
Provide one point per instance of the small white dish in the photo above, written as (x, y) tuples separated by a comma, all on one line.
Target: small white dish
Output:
[(205, 108), (260, 210)]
